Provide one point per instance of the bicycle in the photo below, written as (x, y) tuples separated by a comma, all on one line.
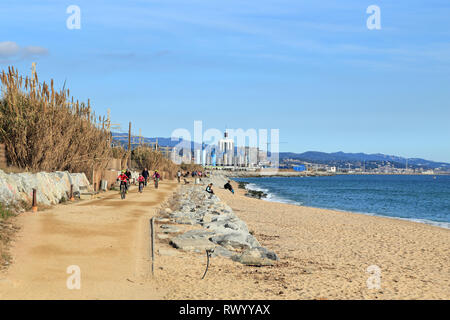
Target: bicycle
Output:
[(156, 183), (123, 190)]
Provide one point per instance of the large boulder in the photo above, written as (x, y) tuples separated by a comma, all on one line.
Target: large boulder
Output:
[(236, 240), (252, 257), (188, 244)]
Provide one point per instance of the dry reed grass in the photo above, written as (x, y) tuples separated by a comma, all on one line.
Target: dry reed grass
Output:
[(146, 157), (43, 131)]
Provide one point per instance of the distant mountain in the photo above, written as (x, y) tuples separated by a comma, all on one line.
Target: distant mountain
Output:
[(341, 158), (122, 139)]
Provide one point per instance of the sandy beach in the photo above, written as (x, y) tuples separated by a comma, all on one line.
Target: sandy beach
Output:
[(323, 254)]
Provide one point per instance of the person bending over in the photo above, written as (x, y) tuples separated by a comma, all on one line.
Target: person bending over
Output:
[(228, 186)]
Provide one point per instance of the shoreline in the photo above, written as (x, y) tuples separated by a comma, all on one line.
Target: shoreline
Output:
[(438, 224), (323, 254), (343, 244)]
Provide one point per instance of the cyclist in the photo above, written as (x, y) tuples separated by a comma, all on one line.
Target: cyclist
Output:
[(156, 176), (123, 178), (141, 181)]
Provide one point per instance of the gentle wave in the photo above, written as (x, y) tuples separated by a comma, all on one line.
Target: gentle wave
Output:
[(445, 225), (275, 198), (271, 196)]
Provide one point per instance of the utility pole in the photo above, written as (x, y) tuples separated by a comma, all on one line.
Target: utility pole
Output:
[(129, 145)]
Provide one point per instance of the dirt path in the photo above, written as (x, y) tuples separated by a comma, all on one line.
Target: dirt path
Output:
[(107, 238)]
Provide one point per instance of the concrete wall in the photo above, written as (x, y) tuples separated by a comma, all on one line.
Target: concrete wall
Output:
[(51, 187)]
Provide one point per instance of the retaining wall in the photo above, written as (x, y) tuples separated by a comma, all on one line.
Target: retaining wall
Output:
[(51, 187)]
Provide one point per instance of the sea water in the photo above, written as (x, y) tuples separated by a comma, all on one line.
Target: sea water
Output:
[(420, 198)]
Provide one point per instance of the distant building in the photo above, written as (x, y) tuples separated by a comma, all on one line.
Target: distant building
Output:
[(226, 150), (332, 169)]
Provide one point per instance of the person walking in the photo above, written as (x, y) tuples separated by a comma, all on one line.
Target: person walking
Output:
[(128, 174), (146, 175), (179, 176)]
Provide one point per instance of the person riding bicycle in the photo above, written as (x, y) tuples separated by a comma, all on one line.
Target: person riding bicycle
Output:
[(141, 181), (156, 175), (123, 178)]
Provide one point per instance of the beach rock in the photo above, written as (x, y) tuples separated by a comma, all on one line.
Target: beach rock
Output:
[(207, 218), (177, 214), (188, 244), (222, 229), (221, 226), (252, 257), (196, 234), (222, 252), (185, 220), (167, 228), (265, 253), (237, 240)]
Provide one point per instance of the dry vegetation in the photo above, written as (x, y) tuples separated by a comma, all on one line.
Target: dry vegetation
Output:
[(43, 131), (7, 229), (191, 167), (146, 157)]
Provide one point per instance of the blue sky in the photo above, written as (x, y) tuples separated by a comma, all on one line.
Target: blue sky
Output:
[(311, 69)]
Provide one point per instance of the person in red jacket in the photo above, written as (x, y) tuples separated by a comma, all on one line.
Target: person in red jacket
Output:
[(141, 181), (123, 178)]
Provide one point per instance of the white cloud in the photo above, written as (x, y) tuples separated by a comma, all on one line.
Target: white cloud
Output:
[(8, 49), (11, 51)]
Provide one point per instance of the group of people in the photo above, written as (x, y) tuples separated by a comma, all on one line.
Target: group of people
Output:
[(194, 174), (227, 186), (144, 177)]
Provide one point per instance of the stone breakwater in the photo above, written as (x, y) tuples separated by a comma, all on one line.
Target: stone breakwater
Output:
[(51, 187), (221, 230)]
